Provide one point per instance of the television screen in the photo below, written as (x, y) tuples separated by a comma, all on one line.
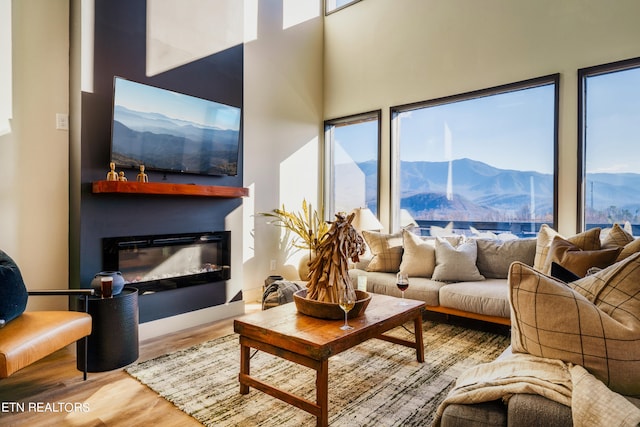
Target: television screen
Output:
[(172, 132)]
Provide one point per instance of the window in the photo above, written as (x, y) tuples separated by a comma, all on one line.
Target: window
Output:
[(484, 160), (609, 125), (352, 152), (335, 5)]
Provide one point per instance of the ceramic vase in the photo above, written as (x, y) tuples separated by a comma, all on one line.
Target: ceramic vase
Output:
[(118, 281)]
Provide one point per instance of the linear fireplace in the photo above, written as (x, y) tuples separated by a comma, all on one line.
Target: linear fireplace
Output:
[(162, 262)]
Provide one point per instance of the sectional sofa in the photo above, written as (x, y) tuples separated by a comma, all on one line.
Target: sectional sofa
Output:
[(585, 327), (467, 279)]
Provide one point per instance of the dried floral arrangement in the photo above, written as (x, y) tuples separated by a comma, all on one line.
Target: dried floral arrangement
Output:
[(329, 270), (307, 225)]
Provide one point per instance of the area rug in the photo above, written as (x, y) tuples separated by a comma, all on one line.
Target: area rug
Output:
[(374, 384)]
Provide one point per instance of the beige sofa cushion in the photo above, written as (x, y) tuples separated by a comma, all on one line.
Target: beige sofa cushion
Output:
[(386, 251), (420, 288), (495, 256), (588, 240), (489, 297), (600, 332)]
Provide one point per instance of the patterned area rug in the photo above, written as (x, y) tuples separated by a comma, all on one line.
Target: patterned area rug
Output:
[(374, 384)]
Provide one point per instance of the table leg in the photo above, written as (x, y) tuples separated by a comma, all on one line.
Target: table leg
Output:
[(244, 367), (322, 393), (417, 324)]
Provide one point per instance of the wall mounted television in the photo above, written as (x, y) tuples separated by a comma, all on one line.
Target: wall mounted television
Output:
[(167, 131)]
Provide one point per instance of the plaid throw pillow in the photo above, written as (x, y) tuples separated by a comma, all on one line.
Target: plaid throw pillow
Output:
[(617, 237), (587, 241), (599, 331), (386, 250)]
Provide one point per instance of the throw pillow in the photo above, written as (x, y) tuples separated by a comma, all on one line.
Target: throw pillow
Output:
[(553, 320), (629, 249), (419, 256), (456, 264), (386, 251), (495, 256), (587, 240), (617, 237), (13, 292), (575, 259)]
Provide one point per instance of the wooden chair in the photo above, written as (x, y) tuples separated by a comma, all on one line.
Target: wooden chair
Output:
[(36, 334)]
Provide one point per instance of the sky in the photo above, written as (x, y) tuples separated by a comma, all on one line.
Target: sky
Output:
[(613, 122), (139, 97), (509, 131), (515, 130)]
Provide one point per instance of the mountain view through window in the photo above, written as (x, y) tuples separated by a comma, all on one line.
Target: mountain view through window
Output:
[(483, 162), (611, 125)]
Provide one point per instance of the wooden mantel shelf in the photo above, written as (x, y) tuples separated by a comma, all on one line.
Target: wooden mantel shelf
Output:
[(168, 189)]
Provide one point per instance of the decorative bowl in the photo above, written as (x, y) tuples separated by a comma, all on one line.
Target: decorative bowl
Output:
[(329, 310)]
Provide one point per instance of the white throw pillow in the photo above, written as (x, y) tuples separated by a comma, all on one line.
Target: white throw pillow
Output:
[(456, 264), (419, 256)]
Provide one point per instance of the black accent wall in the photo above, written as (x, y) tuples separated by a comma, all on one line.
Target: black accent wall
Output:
[(120, 50)]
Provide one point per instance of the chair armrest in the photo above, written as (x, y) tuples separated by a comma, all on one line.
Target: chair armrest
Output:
[(83, 293), (63, 292)]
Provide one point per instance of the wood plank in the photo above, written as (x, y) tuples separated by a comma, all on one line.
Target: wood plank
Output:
[(468, 315), (56, 379), (168, 189)]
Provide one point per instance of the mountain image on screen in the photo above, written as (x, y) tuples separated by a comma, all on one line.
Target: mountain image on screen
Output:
[(166, 144)]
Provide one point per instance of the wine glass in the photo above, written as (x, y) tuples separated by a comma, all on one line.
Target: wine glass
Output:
[(346, 300), (402, 281)]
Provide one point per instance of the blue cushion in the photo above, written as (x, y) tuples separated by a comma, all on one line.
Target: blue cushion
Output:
[(13, 292)]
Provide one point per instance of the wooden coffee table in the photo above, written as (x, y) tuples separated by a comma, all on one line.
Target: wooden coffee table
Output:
[(308, 341)]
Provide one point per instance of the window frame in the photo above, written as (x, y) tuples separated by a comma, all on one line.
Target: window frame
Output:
[(329, 12), (583, 74), (551, 79), (328, 158)]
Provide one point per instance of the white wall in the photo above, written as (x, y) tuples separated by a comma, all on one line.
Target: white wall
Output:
[(282, 128), (34, 155), (380, 53)]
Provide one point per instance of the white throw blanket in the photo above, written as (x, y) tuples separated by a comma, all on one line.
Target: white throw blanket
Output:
[(592, 403)]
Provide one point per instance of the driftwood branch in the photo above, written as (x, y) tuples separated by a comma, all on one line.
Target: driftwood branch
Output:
[(329, 270)]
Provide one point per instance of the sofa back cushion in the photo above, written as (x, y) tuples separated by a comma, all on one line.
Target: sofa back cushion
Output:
[(495, 256)]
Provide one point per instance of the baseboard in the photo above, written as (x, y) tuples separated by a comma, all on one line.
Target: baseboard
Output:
[(177, 323)]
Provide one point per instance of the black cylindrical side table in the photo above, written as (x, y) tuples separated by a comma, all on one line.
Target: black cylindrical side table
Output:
[(113, 342)]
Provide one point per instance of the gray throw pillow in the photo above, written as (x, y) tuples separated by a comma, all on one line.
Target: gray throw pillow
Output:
[(456, 264)]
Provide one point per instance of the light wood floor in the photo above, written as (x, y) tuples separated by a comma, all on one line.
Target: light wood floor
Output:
[(105, 398)]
